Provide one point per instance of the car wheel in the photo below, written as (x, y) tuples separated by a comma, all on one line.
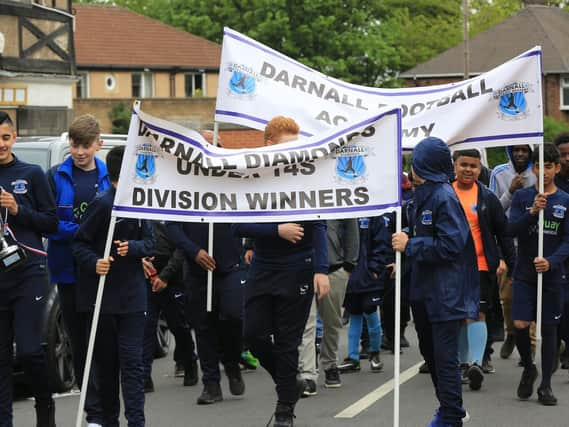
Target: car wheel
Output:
[(59, 352), (163, 338)]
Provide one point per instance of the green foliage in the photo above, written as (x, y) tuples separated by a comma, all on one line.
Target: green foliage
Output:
[(552, 127), (120, 118)]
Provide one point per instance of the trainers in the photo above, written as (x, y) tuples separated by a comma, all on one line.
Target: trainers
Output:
[(149, 385), (309, 388), (191, 374), (375, 362), (248, 361), (284, 415), (332, 378), (211, 393), (475, 377), (463, 373), (424, 368), (508, 346), (487, 366), (179, 370), (349, 365), (236, 383), (545, 396), (525, 389)]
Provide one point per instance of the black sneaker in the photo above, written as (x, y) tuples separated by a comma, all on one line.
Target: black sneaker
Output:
[(525, 389), (191, 374), (463, 373), (545, 396), (211, 393), (375, 362), (149, 385), (309, 388), (284, 415), (332, 378), (424, 368), (508, 346), (236, 383), (349, 365), (475, 377)]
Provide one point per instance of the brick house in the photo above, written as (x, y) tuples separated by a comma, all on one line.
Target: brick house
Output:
[(546, 26), (37, 64)]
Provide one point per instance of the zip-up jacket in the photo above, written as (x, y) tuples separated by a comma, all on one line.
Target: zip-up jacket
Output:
[(36, 212), (375, 254), (275, 253), (125, 286), (59, 254)]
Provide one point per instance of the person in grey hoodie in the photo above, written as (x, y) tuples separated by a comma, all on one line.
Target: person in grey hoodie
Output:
[(504, 181)]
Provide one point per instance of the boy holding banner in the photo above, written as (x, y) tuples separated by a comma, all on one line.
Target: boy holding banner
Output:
[(444, 288), (120, 333), (524, 215), (290, 265)]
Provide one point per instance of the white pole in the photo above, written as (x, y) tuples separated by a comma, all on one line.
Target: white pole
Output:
[(397, 335), (93, 334), (540, 251), (210, 238)]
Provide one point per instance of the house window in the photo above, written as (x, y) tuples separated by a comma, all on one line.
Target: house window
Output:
[(142, 85), (195, 85), (565, 92), (82, 86)]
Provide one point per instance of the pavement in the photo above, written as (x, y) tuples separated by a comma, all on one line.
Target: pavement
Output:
[(364, 400)]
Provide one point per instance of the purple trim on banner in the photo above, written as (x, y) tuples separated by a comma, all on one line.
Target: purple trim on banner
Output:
[(346, 86), (254, 213), (498, 137), (205, 150)]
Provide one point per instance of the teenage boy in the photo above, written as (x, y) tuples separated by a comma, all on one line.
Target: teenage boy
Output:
[(494, 253), (74, 184), (28, 209), (561, 141), (120, 334), (444, 288), (289, 266), (505, 180), (524, 225), (219, 332)]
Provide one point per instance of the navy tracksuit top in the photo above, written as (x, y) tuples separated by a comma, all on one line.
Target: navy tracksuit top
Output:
[(555, 235), (36, 211)]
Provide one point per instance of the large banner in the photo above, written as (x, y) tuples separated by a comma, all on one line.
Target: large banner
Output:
[(500, 107), (172, 173)]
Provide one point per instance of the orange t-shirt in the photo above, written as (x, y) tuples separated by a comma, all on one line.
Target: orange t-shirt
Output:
[(468, 200)]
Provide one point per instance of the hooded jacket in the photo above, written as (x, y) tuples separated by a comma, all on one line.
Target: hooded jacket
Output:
[(375, 254), (59, 254), (444, 269), (502, 176)]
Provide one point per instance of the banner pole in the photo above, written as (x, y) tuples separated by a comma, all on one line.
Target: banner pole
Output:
[(397, 334), (210, 237), (540, 251), (93, 333)]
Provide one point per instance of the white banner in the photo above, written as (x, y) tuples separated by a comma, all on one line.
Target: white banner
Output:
[(500, 107), (172, 173)]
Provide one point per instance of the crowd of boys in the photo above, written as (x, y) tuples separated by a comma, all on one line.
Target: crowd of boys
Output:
[(273, 282)]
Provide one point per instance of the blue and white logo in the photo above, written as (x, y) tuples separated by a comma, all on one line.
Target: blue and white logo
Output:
[(427, 217), (243, 81), (559, 211), (512, 103), (20, 186), (145, 169), (350, 163)]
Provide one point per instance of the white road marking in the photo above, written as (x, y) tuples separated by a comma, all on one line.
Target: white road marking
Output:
[(372, 397)]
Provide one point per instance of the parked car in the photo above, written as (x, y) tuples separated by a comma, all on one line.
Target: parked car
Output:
[(48, 152)]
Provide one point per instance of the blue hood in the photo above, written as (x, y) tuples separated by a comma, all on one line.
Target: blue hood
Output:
[(432, 160)]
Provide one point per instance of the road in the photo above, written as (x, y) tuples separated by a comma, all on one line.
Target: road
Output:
[(495, 405)]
